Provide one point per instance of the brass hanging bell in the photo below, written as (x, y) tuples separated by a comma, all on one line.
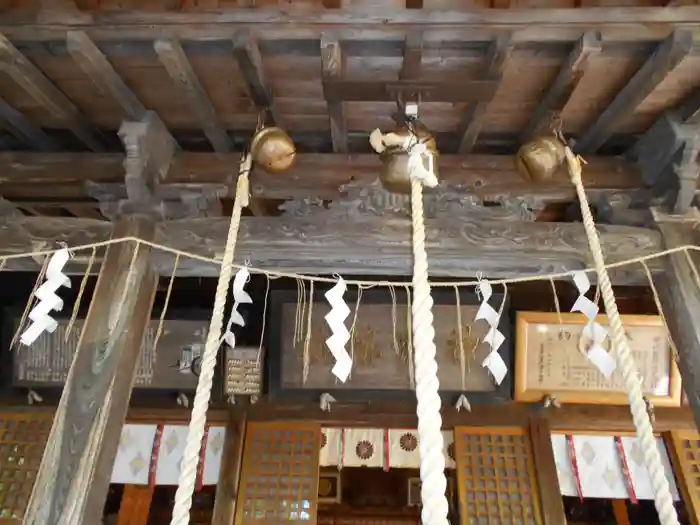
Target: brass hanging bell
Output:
[(538, 159), (272, 149), (394, 175)]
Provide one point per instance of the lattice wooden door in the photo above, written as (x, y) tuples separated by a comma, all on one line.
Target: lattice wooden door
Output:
[(685, 456), (279, 476), (22, 440), (496, 477)]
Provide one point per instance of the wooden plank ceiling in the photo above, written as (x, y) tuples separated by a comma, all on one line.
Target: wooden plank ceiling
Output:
[(328, 72)]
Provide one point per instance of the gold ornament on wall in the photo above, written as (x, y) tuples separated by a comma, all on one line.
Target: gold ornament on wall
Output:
[(470, 342)]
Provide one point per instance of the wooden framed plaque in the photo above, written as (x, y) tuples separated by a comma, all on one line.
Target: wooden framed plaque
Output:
[(380, 349), (549, 360)]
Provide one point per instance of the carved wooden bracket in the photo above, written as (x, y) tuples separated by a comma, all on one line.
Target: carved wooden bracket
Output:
[(442, 203)]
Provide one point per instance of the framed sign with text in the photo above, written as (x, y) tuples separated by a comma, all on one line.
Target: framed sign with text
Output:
[(550, 360)]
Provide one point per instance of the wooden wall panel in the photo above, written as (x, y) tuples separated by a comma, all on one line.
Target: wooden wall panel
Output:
[(496, 476), (279, 477), (684, 451), (22, 440)]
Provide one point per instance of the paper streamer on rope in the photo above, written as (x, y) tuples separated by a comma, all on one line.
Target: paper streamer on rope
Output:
[(418, 157), (493, 362), (339, 332), (40, 316), (240, 296), (596, 333)]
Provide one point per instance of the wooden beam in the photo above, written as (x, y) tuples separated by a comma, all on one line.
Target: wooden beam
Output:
[(551, 502), (689, 109), (412, 56), (569, 418), (680, 298), (471, 123), (230, 472), (333, 68), (639, 24), (35, 83), (458, 248), (73, 478), (63, 175), (178, 66), (561, 90), (247, 53), (24, 129), (98, 69), (668, 55)]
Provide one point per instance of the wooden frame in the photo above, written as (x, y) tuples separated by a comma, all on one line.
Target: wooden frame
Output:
[(608, 396), (275, 348), (339, 488)]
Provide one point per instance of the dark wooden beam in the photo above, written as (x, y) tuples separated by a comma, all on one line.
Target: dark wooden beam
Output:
[(412, 56), (98, 69), (561, 90), (470, 126), (41, 89), (348, 90), (24, 129), (333, 68), (689, 109), (551, 502), (247, 53), (638, 24), (461, 247), (73, 478), (570, 418), (62, 176), (230, 471), (680, 298), (178, 66), (665, 59)]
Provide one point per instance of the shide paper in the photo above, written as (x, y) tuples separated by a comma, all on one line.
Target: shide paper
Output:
[(339, 333), (493, 362)]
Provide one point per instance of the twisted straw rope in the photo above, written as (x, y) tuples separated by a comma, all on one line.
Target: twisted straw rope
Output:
[(195, 432), (630, 375), (430, 440)]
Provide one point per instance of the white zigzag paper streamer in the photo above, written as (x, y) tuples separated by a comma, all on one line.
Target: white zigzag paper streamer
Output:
[(339, 333), (493, 362), (48, 300), (240, 296), (597, 334)]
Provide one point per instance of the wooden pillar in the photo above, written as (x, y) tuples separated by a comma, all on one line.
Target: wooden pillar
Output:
[(74, 475), (680, 298), (135, 505), (230, 473), (546, 472)]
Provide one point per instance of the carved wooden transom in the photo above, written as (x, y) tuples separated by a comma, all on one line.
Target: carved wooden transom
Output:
[(495, 472), (279, 478)]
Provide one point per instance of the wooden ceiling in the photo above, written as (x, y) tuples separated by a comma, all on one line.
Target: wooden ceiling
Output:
[(329, 72)]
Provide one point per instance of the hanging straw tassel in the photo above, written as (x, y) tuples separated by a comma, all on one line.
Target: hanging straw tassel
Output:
[(195, 433)]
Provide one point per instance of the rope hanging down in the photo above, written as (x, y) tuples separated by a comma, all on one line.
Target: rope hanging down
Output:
[(195, 432), (625, 362), (430, 440)]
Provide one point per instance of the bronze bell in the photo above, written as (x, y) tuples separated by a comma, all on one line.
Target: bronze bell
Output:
[(272, 149), (394, 173), (539, 159)]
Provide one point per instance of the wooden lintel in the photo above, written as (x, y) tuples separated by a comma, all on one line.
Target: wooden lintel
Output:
[(470, 125), (247, 53), (36, 84), (680, 298), (63, 176), (24, 129), (96, 66), (370, 245), (178, 66), (571, 418), (73, 479), (668, 55), (640, 24), (561, 90), (333, 67)]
